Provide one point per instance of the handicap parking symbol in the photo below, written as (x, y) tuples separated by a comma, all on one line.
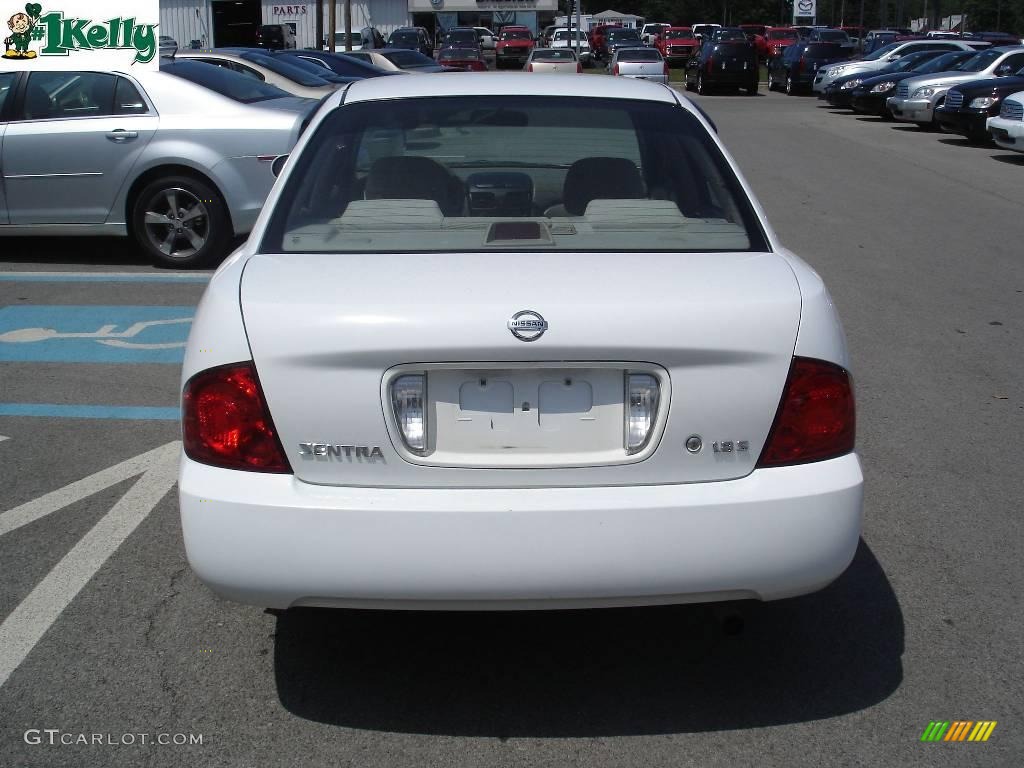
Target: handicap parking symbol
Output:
[(94, 334)]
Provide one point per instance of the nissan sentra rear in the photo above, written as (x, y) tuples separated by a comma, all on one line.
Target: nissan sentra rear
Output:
[(515, 342)]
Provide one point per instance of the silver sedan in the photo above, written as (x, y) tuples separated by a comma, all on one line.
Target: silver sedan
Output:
[(553, 61), (177, 167), (640, 64)]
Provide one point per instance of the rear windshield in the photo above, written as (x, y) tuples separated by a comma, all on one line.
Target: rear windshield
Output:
[(833, 35), (554, 54), (623, 34), (234, 85), (286, 69), (501, 173), (563, 34), (678, 34), (515, 34), (821, 50), (639, 54), (405, 38), (733, 49), (781, 34)]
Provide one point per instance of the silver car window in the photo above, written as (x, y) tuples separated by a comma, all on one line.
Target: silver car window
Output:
[(58, 95)]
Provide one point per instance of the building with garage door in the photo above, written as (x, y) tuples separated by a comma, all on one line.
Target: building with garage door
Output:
[(217, 23)]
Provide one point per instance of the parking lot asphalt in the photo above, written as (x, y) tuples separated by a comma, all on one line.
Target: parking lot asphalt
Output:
[(105, 631)]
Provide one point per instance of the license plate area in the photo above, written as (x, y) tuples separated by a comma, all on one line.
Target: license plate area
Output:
[(540, 415)]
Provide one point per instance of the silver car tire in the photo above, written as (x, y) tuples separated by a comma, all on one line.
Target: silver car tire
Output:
[(771, 81), (180, 222), (701, 88), (790, 88)]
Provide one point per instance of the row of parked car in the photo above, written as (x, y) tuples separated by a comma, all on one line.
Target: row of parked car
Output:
[(978, 94)]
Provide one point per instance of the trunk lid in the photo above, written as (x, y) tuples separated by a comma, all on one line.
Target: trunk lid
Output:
[(329, 332)]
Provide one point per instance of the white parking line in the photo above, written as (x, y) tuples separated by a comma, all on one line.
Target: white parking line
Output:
[(28, 622), (56, 500), (3, 437)]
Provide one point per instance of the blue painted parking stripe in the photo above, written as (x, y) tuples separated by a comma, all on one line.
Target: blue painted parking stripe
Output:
[(94, 334), (129, 412), (104, 277)]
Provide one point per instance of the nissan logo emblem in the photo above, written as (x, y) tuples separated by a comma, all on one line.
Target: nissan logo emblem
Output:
[(527, 325)]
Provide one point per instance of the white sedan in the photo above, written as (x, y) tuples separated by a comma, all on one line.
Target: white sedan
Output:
[(515, 342)]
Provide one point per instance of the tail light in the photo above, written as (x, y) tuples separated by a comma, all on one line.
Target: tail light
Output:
[(225, 421), (529, 67), (711, 63), (666, 69), (642, 392), (408, 396), (816, 418), (615, 69), (579, 68), (800, 65)]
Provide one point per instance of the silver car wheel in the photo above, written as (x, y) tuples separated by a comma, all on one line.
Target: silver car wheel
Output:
[(177, 223)]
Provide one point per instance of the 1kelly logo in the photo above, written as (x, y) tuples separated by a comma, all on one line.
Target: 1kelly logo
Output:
[(60, 36)]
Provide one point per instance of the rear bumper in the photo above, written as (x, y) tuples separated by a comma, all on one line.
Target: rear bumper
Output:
[(273, 541)]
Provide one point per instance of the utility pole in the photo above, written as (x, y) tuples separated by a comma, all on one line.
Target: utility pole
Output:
[(348, 25), (319, 24), (332, 19)]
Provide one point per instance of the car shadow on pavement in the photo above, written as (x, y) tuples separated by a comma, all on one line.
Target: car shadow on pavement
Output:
[(596, 673), (84, 251), (965, 144), (1014, 159), (107, 251)]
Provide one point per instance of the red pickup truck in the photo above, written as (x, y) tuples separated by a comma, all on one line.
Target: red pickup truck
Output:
[(513, 47), (677, 44)]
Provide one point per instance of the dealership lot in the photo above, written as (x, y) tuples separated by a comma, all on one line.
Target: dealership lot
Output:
[(917, 236)]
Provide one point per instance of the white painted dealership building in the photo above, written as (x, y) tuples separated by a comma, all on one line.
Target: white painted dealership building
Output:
[(210, 23)]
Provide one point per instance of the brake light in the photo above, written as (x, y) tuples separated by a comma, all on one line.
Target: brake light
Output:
[(225, 421), (615, 69), (529, 67), (711, 62), (800, 66), (579, 68), (666, 69), (816, 418)]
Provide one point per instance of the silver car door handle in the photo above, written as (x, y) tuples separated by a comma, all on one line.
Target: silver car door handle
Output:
[(120, 135)]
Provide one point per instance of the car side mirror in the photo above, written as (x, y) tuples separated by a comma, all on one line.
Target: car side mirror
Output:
[(278, 165)]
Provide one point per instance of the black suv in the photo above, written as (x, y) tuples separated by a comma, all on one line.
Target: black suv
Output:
[(730, 63), (412, 38), (796, 67), (461, 37)]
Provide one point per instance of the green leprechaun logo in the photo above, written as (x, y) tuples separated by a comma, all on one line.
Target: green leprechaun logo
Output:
[(21, 25)]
